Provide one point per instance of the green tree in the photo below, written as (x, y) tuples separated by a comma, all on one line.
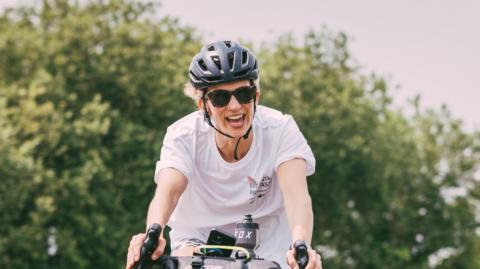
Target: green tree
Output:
[(377, 191), (86, 93)]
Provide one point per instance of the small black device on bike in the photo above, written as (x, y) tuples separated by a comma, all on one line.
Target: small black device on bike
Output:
[(218, 237)]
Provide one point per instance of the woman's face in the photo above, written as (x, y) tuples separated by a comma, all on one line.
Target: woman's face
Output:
[(235, 115)]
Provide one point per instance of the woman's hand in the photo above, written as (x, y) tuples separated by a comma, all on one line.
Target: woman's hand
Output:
[(136, 242), (314, 259)]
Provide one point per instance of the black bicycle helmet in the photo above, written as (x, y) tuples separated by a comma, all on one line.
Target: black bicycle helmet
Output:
[(220, 62)]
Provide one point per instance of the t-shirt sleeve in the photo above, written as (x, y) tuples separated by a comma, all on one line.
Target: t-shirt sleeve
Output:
[(176, 152), (293, 145)]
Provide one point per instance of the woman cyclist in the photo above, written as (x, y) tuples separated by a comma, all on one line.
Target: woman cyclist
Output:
[(232, 157)]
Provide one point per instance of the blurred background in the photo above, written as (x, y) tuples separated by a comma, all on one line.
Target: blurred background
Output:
[(384, 93)]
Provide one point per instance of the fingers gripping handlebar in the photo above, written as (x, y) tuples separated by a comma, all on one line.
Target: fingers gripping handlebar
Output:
[(149, 245), (301, 253)]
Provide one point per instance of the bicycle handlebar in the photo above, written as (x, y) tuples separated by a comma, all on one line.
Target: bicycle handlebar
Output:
[(301, 253), (169, 262), (149, 245)]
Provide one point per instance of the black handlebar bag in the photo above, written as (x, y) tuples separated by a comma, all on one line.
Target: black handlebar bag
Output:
[(202, 262)]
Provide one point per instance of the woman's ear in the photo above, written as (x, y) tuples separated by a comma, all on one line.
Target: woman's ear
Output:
[(257, 96)]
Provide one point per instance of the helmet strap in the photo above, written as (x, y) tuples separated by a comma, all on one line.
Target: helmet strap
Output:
[(206, 117)]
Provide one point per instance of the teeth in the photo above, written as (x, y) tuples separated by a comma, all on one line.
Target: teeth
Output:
[(237, 117)]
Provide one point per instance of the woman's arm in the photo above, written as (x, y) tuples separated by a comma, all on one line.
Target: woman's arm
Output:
[(298, 206), (297, 201), (170, 185)]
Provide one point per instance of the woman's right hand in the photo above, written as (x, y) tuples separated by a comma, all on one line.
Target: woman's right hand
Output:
[(136, 242)]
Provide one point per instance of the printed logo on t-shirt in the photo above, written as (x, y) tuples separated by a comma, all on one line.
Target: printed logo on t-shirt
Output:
[(258, 190)]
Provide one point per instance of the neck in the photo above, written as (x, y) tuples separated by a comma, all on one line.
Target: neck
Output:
[(226, 146)]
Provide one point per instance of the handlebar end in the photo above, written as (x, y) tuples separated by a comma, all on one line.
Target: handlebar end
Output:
[(301, 253)]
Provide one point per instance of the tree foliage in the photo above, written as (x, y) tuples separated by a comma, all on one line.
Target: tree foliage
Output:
[(380, 176), (87, 90)]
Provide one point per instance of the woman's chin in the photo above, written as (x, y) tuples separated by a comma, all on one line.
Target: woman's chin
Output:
[(236, 132)]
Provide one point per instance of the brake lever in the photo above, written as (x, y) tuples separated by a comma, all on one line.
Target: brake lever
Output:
[(301, 253), (148, 246)]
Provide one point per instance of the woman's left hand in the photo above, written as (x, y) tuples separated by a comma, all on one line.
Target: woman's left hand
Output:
[(314, 260)]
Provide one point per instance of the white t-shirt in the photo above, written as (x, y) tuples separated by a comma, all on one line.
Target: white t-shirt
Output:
[(219, 193)]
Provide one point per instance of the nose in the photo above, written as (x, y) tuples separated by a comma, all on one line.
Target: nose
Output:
[(233, 104)]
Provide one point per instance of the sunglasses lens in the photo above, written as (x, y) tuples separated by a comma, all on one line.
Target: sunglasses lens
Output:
[(245, 95), (220, 98)]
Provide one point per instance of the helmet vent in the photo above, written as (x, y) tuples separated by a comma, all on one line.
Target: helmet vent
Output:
[(193, 75), (202, 65), (216, 60), (244, 57), (241, 73), (211, 48), (231, 56), (228, 44), (213, 78)]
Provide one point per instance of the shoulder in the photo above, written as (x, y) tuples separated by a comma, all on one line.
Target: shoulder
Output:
[(278, 128), (271, 118), (188, 126), (180, 142)]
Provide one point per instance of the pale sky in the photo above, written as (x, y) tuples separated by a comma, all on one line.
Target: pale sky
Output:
[(428, 47)]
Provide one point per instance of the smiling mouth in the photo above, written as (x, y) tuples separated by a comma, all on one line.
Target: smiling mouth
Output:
[(236, 118), (236, 121)]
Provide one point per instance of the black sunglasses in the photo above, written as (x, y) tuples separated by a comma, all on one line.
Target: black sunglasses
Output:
[(221, 98)]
